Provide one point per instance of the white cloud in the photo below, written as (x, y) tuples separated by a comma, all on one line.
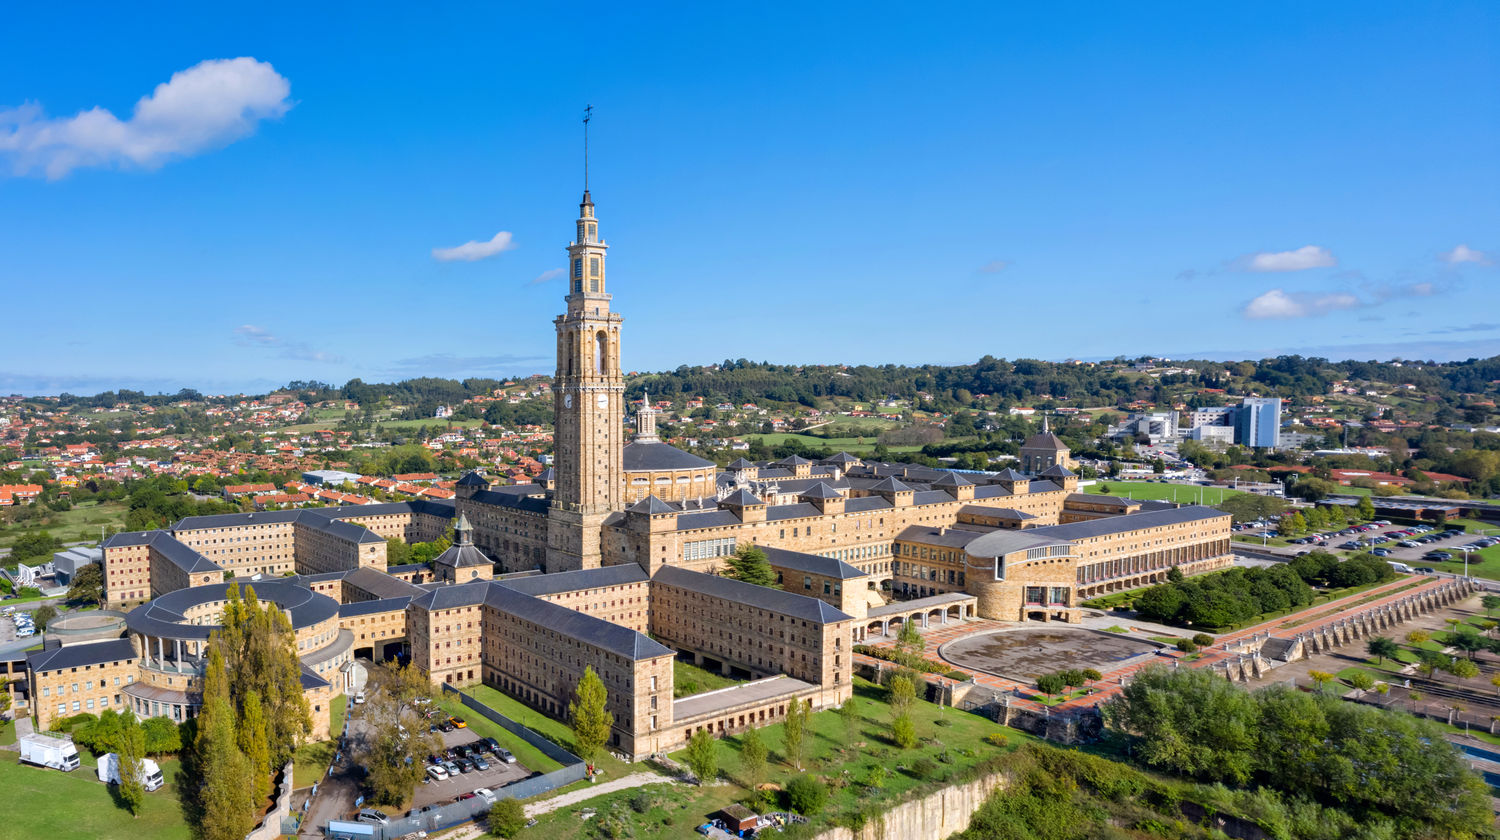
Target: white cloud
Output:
[(1308, 256), (1465, 254), (249, 335), (209, 105), (994, 267), (475, 250), (547, 276), (1279, 304)]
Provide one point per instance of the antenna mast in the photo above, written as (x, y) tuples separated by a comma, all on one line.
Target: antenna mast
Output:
[(588, 114)]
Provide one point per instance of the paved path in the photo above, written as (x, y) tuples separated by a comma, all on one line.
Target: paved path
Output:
[(572, 797)]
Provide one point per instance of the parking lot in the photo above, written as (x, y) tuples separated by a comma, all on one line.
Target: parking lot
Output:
[(1385, 541), (499, 774), (11, 627)]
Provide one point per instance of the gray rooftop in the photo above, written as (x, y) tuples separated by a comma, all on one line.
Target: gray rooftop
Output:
[(946, 537), (812, 564), (997, 543), (587, 629), (576, 581), (79, 655), (772, 600), (645, 456)]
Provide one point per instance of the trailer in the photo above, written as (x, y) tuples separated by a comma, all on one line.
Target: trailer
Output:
[(45, 749), (109, 771)]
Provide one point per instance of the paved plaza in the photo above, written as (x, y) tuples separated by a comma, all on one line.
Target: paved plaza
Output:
[(1030, 652)]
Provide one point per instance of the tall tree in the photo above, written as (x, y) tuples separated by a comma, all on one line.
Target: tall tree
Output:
[(900, 695), (88, 585), (703, 756), (753, 759), (225, 807), (794, 731), (130, 750), (254, 742), (749, 564), (259, 647), (590, 719)]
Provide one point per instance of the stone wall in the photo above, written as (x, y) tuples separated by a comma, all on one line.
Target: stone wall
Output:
[(936, 816)]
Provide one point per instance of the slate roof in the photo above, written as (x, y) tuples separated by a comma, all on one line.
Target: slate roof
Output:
[(927, 535), (998, 542), (821, 490), (1009, 474), (1042, 486), (79, 655), (811, 563), (994, 512), (371, 607), (706, 519), (774, 472), (952, 479), (741, 498), (931, 497), (991, 491), (793, 461), (651, 506), (597, 632), (741, 464), (449, 597), (473, 479), (1045, 440), (513, 496), (793, 511), (644, 456), (1057, 471), (890, 485), (576, 581), (774, 600), (865, 504), (180, 555), (841, 458), (379, 584), (164, 616)]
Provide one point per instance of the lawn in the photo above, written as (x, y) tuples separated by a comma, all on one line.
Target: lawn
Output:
[(81, 522), (555, 730), (1150, 490), (311, 761), (846, 444), (949, 741), (688, 678), (525, 753), (76, 806)]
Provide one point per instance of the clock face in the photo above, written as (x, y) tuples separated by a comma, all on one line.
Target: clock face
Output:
[(603, 401), (567, 400)]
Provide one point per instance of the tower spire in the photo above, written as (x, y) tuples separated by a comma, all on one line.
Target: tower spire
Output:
[(588, 114)]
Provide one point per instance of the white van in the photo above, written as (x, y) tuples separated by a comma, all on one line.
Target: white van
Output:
[(1401, 567)]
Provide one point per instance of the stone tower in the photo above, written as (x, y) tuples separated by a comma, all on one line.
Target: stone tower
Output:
[(589, 401)]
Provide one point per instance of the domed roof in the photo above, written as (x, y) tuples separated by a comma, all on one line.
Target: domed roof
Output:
[(646, 456)]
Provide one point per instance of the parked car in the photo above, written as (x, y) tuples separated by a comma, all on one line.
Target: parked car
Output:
[(492, 745), (479, 763), (506, 756), (458, 722), (370, 815), (446, 726), (1425, 570), (464, 765), (451, 767), (437, 772)]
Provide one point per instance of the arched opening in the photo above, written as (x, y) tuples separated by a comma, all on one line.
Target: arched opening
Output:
[(601, 358)]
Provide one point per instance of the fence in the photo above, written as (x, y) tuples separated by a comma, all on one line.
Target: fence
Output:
[(573, 769)]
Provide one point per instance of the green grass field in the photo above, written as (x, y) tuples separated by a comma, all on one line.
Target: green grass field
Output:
[(84, 520), (949, 741), (311, 761), (77, 806), (847, 444), (686, 675), (1150, 490), (554, 730)]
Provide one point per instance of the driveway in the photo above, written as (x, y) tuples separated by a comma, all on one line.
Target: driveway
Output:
[(445, 791)]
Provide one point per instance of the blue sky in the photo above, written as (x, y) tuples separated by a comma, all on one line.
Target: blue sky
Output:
[(867, 183)]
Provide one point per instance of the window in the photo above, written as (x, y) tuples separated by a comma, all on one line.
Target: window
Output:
[(594, 268)]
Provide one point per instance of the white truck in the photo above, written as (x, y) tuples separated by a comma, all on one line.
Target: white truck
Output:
[(45, 749), (109, 771)]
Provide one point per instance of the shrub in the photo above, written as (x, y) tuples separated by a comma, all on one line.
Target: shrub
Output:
[(924, 768), (1187, 646), (507, 818), (996, 739), (807, 795), (961, 676), (1050, 683), (1203, 639)]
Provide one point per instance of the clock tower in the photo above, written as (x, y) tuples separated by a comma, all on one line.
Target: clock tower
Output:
[(589, 404)]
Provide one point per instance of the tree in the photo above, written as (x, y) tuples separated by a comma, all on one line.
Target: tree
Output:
[(703, 756), (1189, 721), (1050, 683), (1361, 681), (807, 795), (1322, 678), (259, 647), (591, 721), (900, 694), (753, 758), (908, 640), (1495, 681), (1417, 637), (225, 804), (391, 755), (163, 737), (507, 818), (793, 731), (1365, 508), (43, 615), (1464, 669), (88, 585), (254, 742), (130, 750), (749, 564), (904, 732), (1429, 661), (849, 717), (1490, 603)]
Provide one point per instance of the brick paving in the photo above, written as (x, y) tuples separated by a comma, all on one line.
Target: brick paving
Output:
[(1025, 694)]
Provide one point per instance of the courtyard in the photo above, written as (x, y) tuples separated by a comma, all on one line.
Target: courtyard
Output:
[(1026, 653)]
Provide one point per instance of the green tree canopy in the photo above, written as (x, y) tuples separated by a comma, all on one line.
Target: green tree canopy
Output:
[(591, 721)]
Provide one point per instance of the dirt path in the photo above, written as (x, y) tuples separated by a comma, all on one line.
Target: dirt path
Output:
[(572, 797)]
